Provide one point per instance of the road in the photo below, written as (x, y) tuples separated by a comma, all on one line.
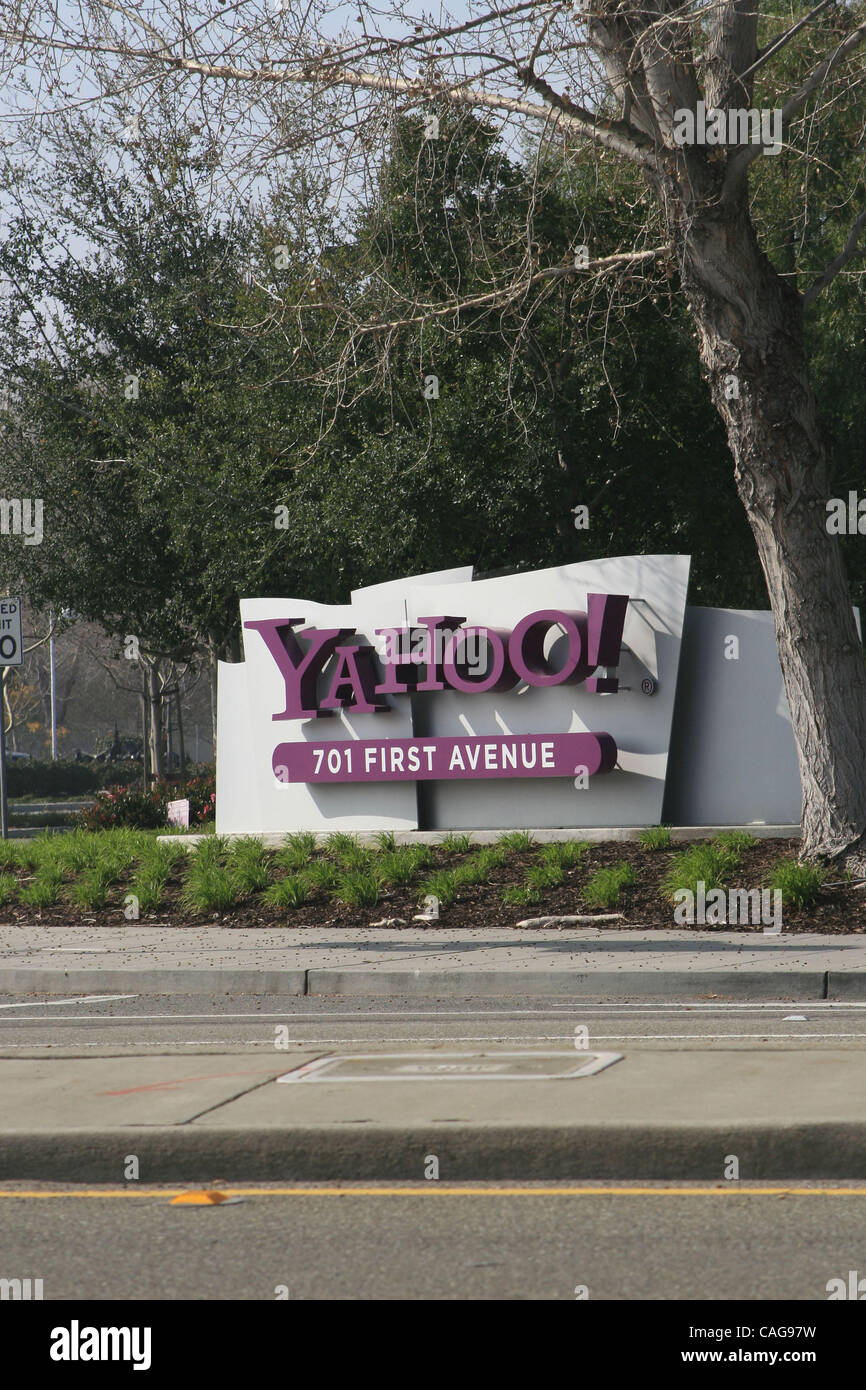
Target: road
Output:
[(430, 1240), (526, 1243), (236, 1023)]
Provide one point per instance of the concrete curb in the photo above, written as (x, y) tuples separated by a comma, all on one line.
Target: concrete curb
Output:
[(800, 985), (465, 1152), (676, 984), (21, 980), (595, 834)]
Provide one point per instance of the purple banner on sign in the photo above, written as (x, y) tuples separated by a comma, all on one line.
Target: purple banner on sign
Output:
[(444, 759)]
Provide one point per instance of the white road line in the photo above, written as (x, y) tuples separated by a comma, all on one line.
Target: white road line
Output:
[(470, 1038), (55, 1003), (411, 1016)]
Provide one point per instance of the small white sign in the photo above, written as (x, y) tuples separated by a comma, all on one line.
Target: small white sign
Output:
[(11, 645), (178, 812)]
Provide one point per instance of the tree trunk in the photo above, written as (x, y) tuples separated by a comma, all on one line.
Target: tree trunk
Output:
[(145, 779), (212, 683), (181, 744), (155, 731), (752, 347)]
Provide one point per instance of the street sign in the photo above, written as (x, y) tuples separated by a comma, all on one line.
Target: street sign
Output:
[(11, 646)]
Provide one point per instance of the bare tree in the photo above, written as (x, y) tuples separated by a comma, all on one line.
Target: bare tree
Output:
[(654, 86)]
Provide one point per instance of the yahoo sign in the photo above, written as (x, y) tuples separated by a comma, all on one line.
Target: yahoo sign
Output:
[(512, 713), (593, 638)]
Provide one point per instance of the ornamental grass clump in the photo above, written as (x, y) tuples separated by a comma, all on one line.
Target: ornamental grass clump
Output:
[(606, 885), (711, 865), (208, 885), (655, 837), (357, 888), (297, 851), (441, 885), (292, 891), (249, 865), (800, 884)]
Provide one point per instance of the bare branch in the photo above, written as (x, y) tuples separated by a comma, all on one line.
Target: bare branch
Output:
[(772, 49), (746, 156), (848, 252), (515, 291)]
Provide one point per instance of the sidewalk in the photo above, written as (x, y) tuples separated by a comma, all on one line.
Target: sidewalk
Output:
[(650, 1115), (584, 962)]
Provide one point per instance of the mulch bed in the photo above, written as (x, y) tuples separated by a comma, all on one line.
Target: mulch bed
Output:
[(840, 911)]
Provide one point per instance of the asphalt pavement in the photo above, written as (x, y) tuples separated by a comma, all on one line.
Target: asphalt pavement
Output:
[(437, 1244), (501, 1115)]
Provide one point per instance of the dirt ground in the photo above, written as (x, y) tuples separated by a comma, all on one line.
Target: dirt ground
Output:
[(841, 910)]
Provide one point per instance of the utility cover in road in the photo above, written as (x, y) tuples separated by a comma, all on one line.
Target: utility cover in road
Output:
[(454, 1066)]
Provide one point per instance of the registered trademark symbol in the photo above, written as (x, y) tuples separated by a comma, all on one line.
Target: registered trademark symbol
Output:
[(648, 685)]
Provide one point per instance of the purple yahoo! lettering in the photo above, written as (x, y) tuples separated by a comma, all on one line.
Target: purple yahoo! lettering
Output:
[(299, 669)]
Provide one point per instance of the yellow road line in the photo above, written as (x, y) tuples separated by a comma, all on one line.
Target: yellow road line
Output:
[(435, 1189)]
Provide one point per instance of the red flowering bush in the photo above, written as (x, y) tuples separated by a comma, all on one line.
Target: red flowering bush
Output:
[(149, 810)]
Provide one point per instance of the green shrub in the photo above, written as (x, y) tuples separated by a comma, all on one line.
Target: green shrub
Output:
[(515, 841), (346, 851), (424, 855), (735, 841), (41, 820), (212, 851), (656, 837), (519, 897), (491, 857), (8, 888), (249, 865), (130, 806), (455, 844), (605, 886), (541, 876), (148, 886), (441, 885), (90, 889), (11, 853), (297, 851), (208, 885), (711, 864), (358, 888), (156, 865), (470, 872), (566, 853), (31, 777), (479, 866), (800, 884), (43, 889), (386, 841), (78, 851), (397, 867), (323, 874), (291, 891)]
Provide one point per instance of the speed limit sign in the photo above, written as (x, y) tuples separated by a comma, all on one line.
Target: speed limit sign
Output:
[(10, 632)]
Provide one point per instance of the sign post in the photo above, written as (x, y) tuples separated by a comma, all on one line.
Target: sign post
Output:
[(11, 654)]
